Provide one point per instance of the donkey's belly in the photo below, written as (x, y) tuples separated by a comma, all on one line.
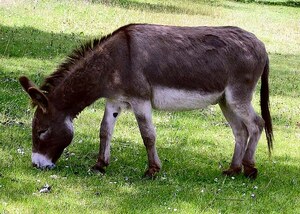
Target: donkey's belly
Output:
[(178, 99)]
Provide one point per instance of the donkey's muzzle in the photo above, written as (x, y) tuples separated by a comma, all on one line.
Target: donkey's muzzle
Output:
[(48, 167), (41, 161)]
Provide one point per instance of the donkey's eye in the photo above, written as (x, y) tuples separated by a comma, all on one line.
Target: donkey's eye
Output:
[(42, 133)]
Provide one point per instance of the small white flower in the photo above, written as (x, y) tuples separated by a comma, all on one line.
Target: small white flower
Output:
[(53, 176), (20, 151), (252, 195), (175, 209), (232, 178), (216, 179), (202, 190), (255, 187)]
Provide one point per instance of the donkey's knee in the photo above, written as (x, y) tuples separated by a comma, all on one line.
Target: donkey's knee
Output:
[(260, 123), (104, 133), (149, 140), (256, 127), (241, 135)]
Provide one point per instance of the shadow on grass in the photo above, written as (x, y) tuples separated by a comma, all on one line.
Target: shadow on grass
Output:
[(184, 175), (145, 6), (275, 3), (24, 44), (29, 42)]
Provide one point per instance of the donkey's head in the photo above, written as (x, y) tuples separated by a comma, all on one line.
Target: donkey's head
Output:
[(52, 130)]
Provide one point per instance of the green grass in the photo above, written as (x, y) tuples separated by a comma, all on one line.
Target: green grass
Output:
[(35, 36)]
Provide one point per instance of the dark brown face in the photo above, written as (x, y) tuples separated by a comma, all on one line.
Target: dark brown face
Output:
[(52, 132)]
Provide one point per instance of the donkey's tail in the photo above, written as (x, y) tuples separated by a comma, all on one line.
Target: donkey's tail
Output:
[(264, 105)]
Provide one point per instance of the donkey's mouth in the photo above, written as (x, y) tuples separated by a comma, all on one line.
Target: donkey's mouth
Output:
[(41, 161), (48, 167)]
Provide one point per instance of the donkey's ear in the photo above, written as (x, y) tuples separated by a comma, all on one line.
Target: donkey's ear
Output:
[(38, 98), (26, 83)]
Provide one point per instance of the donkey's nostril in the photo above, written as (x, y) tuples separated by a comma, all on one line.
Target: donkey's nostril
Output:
[(50, 166), (35, 165)]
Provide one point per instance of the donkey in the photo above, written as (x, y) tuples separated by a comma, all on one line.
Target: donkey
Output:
[(142, 66)]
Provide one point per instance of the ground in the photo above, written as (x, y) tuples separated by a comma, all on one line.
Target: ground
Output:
[(194, 146)]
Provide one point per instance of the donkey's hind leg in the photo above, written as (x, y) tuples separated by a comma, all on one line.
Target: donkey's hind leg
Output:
[(112, 111), (241, 137), (142, 111), (254, 125)]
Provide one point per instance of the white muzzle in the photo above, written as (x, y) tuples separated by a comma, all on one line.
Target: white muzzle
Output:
[(41, 161)]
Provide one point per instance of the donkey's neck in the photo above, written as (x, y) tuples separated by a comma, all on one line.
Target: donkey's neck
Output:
[(90, 73), (83, 85)]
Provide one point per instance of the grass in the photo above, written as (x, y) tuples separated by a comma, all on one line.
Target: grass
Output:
[(194, 146)]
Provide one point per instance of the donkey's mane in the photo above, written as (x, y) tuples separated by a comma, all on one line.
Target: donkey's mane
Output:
[(77, 55), (64, 68)]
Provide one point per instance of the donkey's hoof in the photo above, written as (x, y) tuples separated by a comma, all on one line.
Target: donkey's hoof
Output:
[(232, 171), (96, 168), (151, 173), (250, 172)]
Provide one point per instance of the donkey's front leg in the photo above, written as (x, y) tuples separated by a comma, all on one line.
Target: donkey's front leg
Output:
[(142, 111), (112, 111)]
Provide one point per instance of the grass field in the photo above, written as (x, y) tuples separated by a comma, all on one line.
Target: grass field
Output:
[(194, 146)]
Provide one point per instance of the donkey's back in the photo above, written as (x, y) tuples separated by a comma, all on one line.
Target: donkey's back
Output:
[(195, 58)]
